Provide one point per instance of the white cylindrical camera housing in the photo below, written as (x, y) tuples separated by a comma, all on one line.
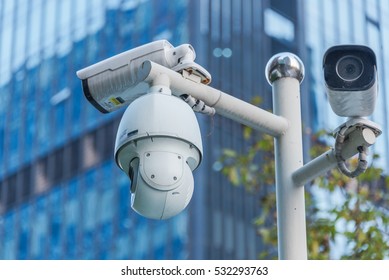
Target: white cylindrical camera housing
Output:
[(350, 75)]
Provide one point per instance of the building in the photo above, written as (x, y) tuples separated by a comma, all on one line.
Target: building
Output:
[(61, 194), (234, 40), (57, 171)]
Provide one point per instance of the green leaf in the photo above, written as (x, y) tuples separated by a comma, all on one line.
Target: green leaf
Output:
[(256, 100), (230, 153), (247, 132), (234, 177)]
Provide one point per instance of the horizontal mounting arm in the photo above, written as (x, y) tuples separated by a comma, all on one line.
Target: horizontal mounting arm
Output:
[(224, 104), (327, 161)]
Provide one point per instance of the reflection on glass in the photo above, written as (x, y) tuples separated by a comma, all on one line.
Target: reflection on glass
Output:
[(278, 26)]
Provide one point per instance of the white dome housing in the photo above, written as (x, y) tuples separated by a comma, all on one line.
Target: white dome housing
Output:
[(158, 145)]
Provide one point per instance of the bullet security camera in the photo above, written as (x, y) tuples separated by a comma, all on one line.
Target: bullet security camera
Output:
[(158, 145), (113, 83), (350, 75)]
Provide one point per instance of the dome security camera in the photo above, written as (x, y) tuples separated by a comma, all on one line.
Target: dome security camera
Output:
[(350, 75), (158, 145)]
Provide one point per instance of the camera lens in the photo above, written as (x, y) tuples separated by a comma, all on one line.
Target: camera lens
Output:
[(349, 68)]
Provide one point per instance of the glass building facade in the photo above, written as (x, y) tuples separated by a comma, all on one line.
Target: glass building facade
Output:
[(234, 39), (61, 194)]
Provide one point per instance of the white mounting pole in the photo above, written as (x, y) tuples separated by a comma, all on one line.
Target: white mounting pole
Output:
[(224, 104), (327, 161), (284, 72)]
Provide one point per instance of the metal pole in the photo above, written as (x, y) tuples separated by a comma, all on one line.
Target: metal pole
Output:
[(224, 104), (327, 161), (284, 72)]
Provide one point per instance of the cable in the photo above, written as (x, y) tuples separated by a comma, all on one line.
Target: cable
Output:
[(362, 157), (198, 106)]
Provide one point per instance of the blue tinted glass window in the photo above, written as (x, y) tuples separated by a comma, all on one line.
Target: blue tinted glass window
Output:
[(93, 48), (278, 26), (107, 201), (17, 102), (47, 67), (144, 17), (178, 249), (64, 26), (63, 72), (80, 18), (20, 31), (90, 209), (110, 31), (71, 219), (180, 234), (96, 15), (55, 224), (163, 21), (34, 32), (89, 212), (39, 235), (24, 232), (14, 146), (79, 52), (123, 201), (9, 236), (141, 249), (59, 126), (1, 148), (160, 237), (124, 247), (106, 211), (31, 112), (43, 127), (77, 102), (127, 26), (6, 36), (45, 118), (4, 99), (49, 27)]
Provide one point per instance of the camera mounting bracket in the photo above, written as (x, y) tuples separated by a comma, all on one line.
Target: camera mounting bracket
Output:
[(341, 135), (358, 123)]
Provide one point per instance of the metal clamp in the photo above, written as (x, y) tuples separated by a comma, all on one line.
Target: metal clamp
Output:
[(340, 137)]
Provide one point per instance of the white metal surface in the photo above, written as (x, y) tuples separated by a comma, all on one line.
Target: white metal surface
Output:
[(158, 115), (291, 226), (224, 104), (112, 83), (357, 104), (327, 161), (158, 144), (284, 72)]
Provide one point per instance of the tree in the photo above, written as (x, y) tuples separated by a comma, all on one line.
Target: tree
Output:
[(358, 212)]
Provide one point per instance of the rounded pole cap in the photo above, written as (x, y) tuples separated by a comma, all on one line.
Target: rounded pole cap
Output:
[(284, 65)]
